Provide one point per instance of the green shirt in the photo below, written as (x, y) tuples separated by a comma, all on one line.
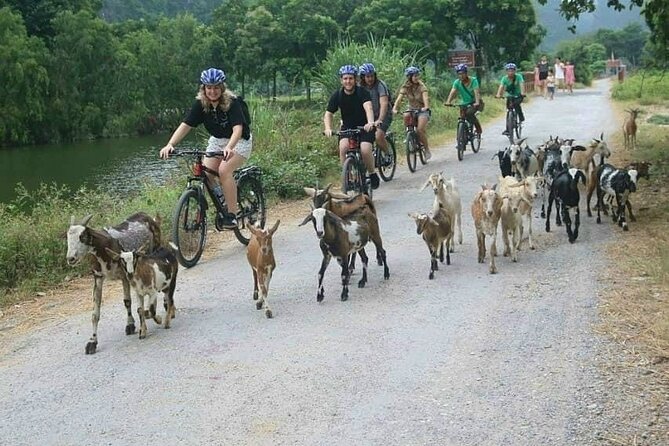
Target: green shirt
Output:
[(512, 89), (466, 93)]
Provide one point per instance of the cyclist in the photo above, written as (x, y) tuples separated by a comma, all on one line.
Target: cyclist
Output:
[(513, 85), (355, 105), (416, 93), (378, 90), (470, 95), (215, 107)]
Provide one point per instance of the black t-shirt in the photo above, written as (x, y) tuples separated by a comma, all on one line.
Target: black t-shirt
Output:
[(543, 67), (352, 112), (218, 122)]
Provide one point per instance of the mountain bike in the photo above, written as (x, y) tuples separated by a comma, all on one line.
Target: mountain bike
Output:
[(353, 170), (414, 148), (189, 222), (386, 163), (466, 133), (513, 124)]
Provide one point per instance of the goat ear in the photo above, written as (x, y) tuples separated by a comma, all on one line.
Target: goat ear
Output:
[(339, 195), (113, 254), (424, 185), (306, 220), (275, 227), (327, 188), (86, 219), (310, 191), (494, 187), (252, 229), (601, 137)]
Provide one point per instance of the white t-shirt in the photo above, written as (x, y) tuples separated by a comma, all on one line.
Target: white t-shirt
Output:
[(559, 70)]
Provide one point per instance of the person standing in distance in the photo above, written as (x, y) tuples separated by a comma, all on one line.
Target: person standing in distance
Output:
[(355, 105), (217, 108)]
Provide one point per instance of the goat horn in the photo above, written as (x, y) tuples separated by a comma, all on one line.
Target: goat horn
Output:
[(327, 188), (86, 219)]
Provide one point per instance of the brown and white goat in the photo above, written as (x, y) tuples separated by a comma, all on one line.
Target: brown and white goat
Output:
[(137, 230), (437, 231), (486, 213), (260, 255), (447, 194), (148, 275), (528, 191), (340, 238), (630, 128)]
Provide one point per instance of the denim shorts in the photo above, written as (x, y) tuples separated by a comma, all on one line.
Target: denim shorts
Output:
[(243, 147)]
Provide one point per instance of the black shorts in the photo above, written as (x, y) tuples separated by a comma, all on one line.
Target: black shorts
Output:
[(543, 75), (364, 136), (385, 124)]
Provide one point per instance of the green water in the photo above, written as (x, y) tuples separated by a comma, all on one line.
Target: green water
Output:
[(116, 165)]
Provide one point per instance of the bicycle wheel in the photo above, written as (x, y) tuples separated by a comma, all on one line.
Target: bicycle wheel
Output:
[(462, 139), (189, 228), (518, 127), (252, 209), (411, 149), (475, 142), (421, 152), (387, 171), (350, 176), (510, 123)]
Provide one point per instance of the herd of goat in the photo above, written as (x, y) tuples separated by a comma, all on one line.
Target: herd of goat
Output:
[(133, 251)]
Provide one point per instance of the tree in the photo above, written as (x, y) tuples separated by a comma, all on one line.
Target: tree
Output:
[(38, 14), (627, 43), (499, 31), (23, 81), (656, 13)]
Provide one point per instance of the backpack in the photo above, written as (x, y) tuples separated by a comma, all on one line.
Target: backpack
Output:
[(245, 110), (391, 101)]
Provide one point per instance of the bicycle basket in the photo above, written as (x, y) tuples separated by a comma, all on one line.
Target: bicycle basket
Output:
[(197, 168), (409, 120)]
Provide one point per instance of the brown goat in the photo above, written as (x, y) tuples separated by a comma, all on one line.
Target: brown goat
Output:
[(630, 128), (261, 258), (486, 211), (437, 231)]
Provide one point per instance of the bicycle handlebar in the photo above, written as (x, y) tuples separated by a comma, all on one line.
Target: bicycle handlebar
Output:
[(349, 132), (196, 152)]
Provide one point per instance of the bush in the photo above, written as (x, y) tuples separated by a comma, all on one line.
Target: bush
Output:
[(651, 87)]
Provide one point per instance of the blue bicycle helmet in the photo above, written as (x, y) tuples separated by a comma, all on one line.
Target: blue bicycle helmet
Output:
[(367, 68), (510, 66), (461, 68), (212, 76), (348, 69), (410, 71)]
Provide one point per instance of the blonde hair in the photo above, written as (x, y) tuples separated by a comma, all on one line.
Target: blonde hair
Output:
[(225, 102)]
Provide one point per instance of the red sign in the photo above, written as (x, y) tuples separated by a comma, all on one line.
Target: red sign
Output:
[(461, 56)]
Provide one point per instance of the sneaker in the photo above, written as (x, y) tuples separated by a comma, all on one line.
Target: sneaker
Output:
[(374, 178), (226, 221)]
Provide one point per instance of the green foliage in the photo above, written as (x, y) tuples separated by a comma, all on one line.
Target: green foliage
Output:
[(389, 61), (659, 120), (651, 87), (586, 57)]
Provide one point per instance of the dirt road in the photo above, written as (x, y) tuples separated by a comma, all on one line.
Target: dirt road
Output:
[(467, 359)]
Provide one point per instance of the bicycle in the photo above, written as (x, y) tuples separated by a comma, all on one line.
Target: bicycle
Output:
[(513, 125), (466, 133), (189, 230), (414, 148), (353, 170), (386, 164)]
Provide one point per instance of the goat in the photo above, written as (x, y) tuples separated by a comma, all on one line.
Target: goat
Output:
[(523, 160), (527, 190), (504, 158), (486, 213), (261, 258), (553, 166), (512, 224), (630, 128), (446, 194), (148, 275), (585, 159), (343, 206), (340, 238), (642, 168), (616, 183), (566, 195), (437, 231), (137, 230)]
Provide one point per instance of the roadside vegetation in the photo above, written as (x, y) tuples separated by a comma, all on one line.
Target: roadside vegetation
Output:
[(635, 309)]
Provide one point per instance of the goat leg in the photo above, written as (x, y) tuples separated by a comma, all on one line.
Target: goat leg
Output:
[(364, 259), (127, 301), (153, 302), (92, 343), (493, 253), (480, 239), (344, 278), (577, 222), (629, 208), (320, 294), (255, 284), (551, 197), (142, 317)]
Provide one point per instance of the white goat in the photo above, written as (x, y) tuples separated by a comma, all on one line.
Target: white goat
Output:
[(527, 191)]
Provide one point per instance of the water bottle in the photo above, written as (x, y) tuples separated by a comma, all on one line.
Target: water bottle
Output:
[(218, 192)]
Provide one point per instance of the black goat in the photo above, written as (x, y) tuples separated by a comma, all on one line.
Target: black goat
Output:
[(565, 193), (504, 158), (618, 183)]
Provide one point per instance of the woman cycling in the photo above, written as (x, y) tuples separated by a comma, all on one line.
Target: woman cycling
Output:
[(215, 107), (416, 93), (470, 95)]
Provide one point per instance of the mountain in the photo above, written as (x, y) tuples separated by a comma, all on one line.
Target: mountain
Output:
[(603, 17)]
